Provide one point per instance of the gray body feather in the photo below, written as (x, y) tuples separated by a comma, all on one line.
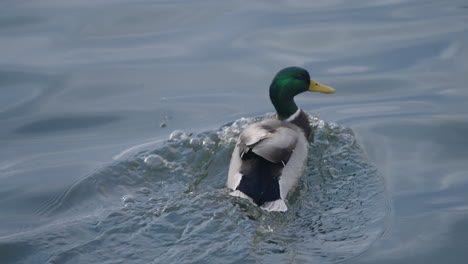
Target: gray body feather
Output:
[(273, 140), (279, 142)]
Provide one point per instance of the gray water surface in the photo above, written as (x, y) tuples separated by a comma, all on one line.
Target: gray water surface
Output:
[(175, 209), (90, 89)]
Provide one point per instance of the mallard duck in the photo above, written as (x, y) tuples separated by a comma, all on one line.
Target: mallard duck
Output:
[(270, 156)]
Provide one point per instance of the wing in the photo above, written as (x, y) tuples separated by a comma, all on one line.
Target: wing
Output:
[(272, 140)]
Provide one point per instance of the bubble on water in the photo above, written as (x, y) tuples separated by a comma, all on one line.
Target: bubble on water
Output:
[(145, 190), (228, 134), (154, 161), (208, 142), (240, 123), (178, 135), (334, 125), (317, 122), (128, 198), (321, 124), (195, 142)]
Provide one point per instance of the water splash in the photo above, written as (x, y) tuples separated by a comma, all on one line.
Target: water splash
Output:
[(167, 203)]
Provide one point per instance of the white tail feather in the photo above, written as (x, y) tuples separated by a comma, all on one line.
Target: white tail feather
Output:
[(278, 205), (240, 194)]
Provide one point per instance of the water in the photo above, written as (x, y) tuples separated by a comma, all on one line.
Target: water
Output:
[(166, 202), (95, 165)]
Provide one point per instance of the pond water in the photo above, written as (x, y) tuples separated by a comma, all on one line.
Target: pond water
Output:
[(117, 120)]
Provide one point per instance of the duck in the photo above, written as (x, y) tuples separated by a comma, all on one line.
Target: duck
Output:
[(270, 156)]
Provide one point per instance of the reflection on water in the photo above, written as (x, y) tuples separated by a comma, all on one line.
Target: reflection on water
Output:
[(82, 81), (169, 204)]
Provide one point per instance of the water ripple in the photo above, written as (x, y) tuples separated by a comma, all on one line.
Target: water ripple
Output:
[(168, 204)]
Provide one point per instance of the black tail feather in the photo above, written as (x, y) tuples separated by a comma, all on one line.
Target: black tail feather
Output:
[(260, 180)]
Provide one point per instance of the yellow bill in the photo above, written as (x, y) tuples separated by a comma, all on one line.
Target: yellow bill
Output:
[(317, 87)]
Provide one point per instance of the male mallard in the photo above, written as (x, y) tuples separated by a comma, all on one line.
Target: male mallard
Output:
[(270, 156)]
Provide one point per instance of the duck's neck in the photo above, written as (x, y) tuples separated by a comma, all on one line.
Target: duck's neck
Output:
[(284, 104)]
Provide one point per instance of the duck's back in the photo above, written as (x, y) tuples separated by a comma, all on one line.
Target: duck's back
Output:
[(267, 163)]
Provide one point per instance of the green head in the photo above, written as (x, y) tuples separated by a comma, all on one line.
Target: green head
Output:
[(288, 83)]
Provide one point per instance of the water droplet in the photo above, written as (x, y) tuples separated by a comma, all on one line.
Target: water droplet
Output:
[(128, 198), (154, 161), (178, 135)]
